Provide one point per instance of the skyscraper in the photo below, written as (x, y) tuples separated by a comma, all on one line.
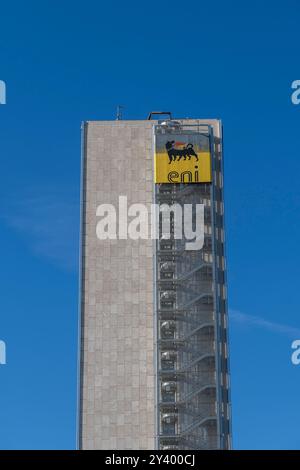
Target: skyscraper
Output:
[(153, 330)]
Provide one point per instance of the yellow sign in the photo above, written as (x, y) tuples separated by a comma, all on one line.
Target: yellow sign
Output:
[(181, 160)]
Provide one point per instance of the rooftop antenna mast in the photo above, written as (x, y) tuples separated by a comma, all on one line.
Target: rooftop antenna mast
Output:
[(119, 112)]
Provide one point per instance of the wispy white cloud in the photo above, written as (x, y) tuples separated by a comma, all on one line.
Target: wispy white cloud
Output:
[(49, 223), (259, 322)]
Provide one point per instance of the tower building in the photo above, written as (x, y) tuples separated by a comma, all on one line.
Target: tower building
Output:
[(153, 305)]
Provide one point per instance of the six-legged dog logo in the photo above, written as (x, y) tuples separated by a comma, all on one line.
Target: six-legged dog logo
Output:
[(180, 150)]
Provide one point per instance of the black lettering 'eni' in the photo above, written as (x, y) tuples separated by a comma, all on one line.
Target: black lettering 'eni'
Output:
[(196, 175), (189, 177), (171, 175)]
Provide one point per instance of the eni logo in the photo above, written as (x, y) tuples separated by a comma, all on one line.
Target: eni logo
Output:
[(184, 176), (182, 160), (180, 150)]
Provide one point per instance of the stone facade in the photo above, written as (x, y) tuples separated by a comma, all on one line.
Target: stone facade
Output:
[(117, 364)]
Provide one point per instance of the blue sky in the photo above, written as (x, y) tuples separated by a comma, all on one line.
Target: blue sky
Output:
[(65, 62)]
